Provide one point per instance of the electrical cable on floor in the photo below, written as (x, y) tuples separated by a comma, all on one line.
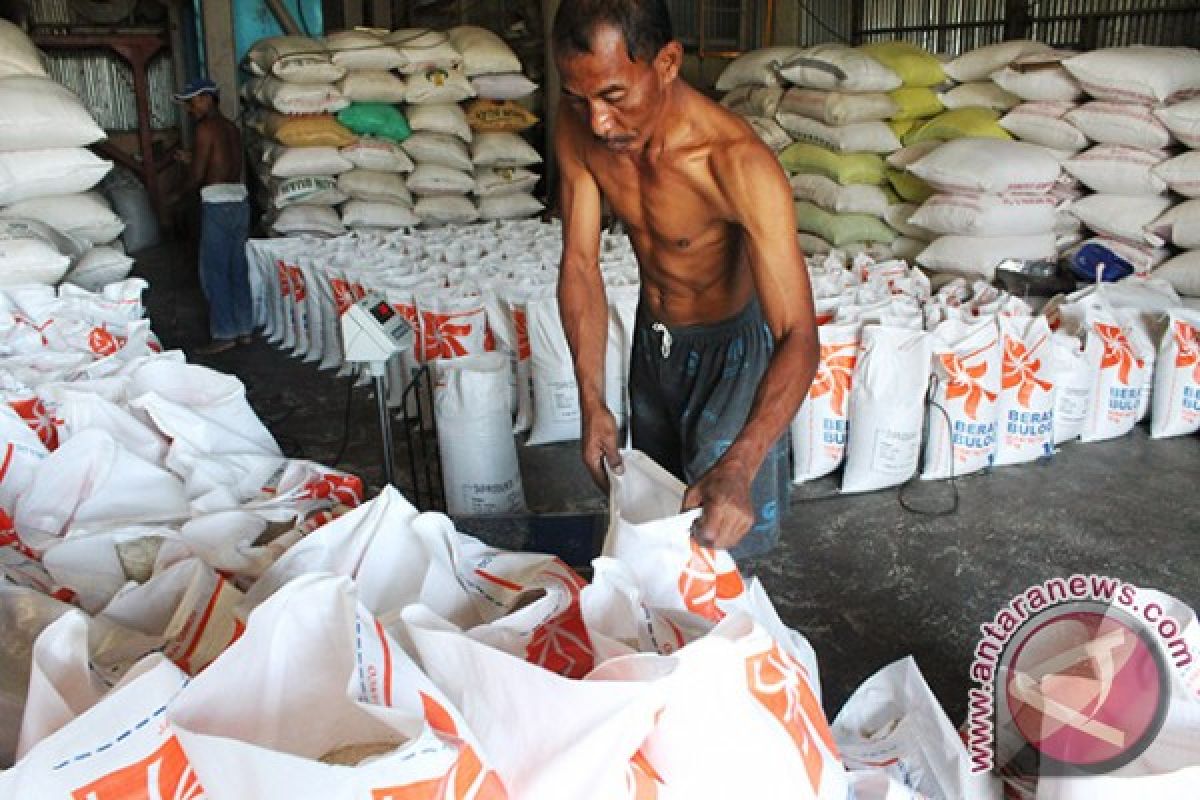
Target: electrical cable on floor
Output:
[(341, 453), (915, 479)]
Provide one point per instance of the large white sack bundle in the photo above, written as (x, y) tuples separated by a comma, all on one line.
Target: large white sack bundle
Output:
[(438, 85), (987, 214), (988, 165), (447, 118), (99, 267), (1118, 169), (1183, 120), (1182, 173), (493, 182), (1025, 405), (833, 108), (832, 196), (424, 49), (440, 149), (297, 98), (436, 180), (24, 451), (381, 155), (1138, 74), (756, 68), (898, 216), (362, 50), (1180, 226), (1120, 123), (818, 431), (86, 216), (979, 94), (1117, 351), (518, 205), (1176, 398), (556, 416), (980, 63), (37, 113), (966, 372), (979, 255), (1042, 123), (887, 408), (483, 52), (40, 173), (379, 187), (474, 425), (300, 220), (503, 150), (18, 54), (854, 137), (1120, 216), (1040, 76), (372, 86), (297, 59), (1182, 272), (312, 190), (32, 252), (1070, 375), (838, 67), (754, 101), (376, 214), (445, 210), (506, 86)]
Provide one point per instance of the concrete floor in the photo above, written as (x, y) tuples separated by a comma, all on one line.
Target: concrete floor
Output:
[(865, 580)]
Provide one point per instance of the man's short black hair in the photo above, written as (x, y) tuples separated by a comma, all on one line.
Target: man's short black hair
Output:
[(644, 24)]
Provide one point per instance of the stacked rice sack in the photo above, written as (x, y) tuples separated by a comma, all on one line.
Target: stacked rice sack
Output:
[(52, 226)]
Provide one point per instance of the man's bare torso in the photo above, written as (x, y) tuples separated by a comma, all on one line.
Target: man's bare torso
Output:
[(693, 264), (225, 160)]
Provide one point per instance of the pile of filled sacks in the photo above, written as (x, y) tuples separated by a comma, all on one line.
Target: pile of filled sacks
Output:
[(52, 226), (377, 130)]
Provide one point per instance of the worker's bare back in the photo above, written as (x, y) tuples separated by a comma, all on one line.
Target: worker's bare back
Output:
[(676, 205), (220, 141)]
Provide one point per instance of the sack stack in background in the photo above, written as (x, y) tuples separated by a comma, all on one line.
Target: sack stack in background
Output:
[(52, 226), (396, 129)]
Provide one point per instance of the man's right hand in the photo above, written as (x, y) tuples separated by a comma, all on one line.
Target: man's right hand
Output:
[(601, 445)]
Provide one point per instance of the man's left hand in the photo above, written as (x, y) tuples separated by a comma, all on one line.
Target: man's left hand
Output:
[(723, 494)]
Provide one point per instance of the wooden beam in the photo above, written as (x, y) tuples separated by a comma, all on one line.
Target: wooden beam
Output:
[(220, 52), (550, 91)]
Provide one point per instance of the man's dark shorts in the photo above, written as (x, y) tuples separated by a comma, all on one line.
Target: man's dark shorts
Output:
[(690, 391)]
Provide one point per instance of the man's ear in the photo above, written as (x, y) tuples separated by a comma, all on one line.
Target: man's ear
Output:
[(669, 61)]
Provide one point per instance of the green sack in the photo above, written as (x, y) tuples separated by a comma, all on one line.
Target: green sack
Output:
[(959, 123), (845, 168), (375, 119), (841, 229), (915, 102), (914, 65)]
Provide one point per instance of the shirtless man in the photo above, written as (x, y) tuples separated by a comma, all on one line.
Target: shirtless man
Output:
[(725, 345), (215, 171)]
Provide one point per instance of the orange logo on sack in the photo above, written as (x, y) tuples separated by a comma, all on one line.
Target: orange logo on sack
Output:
[(1187, 338), (340, 487), (443, 334), (285, 289), (964, 381), (165, 774), (1021, 372), (702, 586), (834, 373), (642, 779), (39, 418), (297, 279), (1118, 352), (561, 644), (102, 342), (780, 684), (521, 323), (343, 295)]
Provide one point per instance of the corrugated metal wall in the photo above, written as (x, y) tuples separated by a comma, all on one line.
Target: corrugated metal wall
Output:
[(105, 85), (1088, 24), (941, 26)]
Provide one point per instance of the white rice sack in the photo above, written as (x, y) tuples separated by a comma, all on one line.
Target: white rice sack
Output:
[(424, 49), (1138, 74), (31, 252), (856, 137), (1070, 376), (305, 219), (438, 85), (99, 267), (1115, 348), (979, 255), (445, 210), (1183, 120), (1120, 123), (297, 59), (966, 368), (818, 432), (502, 150), (556, 416), (835, 108), (1176, 398), (987, 214), (368, 214), (1120, 216), (298, 98), (509, 206), (43, 173), (381, 155), (373, 86), (492, 181), (446, 118), (981, 94), (475, 438), (1118, 169), (911, 154), (358, 49), (1182, 173), (756, 68), (380, 187), (18, 54), (1040, 77), (1025, 405), (887, 408), (978, 64), (483, 52), (86, 216), (435, 180), (908, 248), (443, 149), (832, 196), (898, 216), (1179, 226), (1182, 272), (37, 113), (836, 66), (507, 86), (964, 166), (294, 162), (1042, 123), (754, 101), (771, 132)]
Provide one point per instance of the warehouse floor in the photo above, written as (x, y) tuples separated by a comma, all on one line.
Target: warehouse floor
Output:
[(865, 580)]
